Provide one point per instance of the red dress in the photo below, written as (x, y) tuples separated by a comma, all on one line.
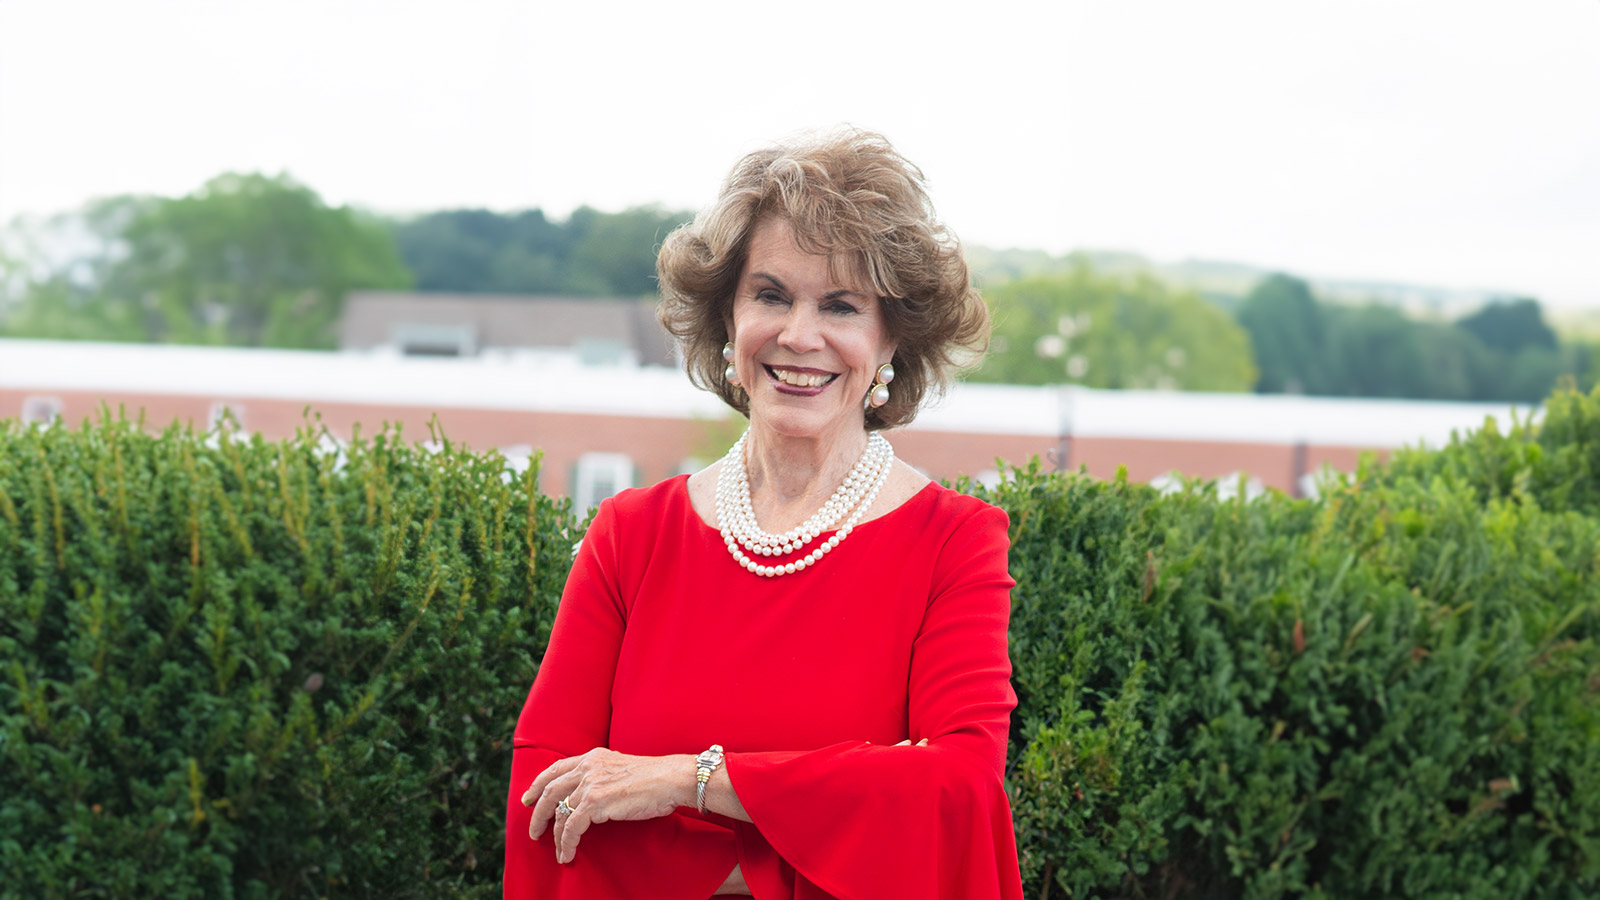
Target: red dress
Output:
[(663, 644)]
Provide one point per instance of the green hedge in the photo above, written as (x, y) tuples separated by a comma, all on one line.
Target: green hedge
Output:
[(1392, 692), (264, 669), (1554, 462)]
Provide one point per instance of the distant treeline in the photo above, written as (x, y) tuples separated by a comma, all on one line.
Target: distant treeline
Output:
[(255, 260), (591, 253), (1085, 326), (1504, 351)]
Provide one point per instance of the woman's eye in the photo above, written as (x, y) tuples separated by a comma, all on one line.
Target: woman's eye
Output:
[(841, 307), (771, 297)]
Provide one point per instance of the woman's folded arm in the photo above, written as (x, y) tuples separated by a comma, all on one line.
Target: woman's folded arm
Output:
[(863, 820), (567, 714)]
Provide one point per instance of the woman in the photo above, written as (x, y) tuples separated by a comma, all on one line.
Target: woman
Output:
[(786, 675)]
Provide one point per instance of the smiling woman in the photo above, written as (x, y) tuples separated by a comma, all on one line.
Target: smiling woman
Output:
[(849, 700), (807, 348), (862, 207)]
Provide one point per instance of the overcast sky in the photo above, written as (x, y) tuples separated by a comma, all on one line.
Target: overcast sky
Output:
[(1446, 142)]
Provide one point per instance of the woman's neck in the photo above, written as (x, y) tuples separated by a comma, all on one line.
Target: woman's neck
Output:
[(786, 472)]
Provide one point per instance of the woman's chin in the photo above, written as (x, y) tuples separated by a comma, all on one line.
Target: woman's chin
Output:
[(802, 419)]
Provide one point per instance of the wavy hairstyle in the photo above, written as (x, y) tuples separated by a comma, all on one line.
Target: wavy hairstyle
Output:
[(850, 195)]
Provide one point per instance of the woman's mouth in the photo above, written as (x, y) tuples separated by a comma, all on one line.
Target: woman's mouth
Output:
[(808, 382)]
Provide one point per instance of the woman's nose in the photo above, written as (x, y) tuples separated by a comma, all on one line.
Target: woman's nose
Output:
[(801, 329)]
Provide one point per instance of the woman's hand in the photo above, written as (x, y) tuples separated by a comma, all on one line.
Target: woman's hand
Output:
[(604, 785)]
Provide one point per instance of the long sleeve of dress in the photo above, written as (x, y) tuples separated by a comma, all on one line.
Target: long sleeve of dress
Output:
[(568, 712), (859, 820)]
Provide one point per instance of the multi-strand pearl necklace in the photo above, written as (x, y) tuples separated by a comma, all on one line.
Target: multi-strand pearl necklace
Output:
[(736, 517)]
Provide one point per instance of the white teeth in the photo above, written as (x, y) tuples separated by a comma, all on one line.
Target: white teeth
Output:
[(800, 379)]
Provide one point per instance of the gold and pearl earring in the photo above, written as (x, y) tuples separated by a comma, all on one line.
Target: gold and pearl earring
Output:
[(879, 395), (731, 373)]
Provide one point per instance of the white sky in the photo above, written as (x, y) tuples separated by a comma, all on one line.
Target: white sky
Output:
[(1446, 142)]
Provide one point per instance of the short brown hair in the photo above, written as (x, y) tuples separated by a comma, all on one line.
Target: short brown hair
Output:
[(851, 195)]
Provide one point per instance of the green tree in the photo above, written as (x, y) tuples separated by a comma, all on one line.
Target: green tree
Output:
[(1113, 332), (591, 253), (1452, 359), (250, 259), (1379, 353), (1534, 372), (1290, 335), (13, 281), (54, 274), (53, 310), (621, 248), (480, 251), (1511, 325), (1581, 359)]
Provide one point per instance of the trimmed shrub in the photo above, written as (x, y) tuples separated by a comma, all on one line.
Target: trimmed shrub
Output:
[(241, 668), (1555, 462), (1391, 693), (262, 669)]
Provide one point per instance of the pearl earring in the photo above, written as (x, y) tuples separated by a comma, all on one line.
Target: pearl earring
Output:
[(730, 373), (879, 395)]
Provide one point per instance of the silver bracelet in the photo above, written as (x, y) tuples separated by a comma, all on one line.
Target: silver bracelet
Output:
[(704, 764)]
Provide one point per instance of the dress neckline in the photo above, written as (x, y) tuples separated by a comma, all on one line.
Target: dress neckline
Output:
[(683, 490)]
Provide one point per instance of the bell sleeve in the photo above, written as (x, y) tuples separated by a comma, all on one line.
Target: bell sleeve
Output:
[(567, 713), (857, 820)]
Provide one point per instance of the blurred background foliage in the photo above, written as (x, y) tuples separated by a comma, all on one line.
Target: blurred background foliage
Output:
[(256, 260), (1110, 331)]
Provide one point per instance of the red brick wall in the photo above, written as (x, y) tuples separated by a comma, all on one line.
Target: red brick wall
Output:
[(659, 447)]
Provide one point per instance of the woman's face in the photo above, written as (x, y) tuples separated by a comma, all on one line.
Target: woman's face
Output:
[(805, 346)]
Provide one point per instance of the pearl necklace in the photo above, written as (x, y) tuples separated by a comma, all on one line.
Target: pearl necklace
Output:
[(736, 517)]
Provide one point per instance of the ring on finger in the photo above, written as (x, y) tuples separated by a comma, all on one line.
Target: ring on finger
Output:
[(563, 808)]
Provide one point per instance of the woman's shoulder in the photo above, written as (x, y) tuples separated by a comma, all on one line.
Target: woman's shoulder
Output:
[(652, 500), (960, 537), (659, 500), (947, 504), (938, 514)]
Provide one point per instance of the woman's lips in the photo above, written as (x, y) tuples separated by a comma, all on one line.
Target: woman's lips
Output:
[(800, 382)]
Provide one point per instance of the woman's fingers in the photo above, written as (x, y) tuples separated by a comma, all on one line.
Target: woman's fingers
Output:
[(601, 786), (907, 743), (558, 821), (552, 772), (570, 831), (544, 808)]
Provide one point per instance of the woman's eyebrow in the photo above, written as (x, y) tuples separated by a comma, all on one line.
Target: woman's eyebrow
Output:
[(831, 295)]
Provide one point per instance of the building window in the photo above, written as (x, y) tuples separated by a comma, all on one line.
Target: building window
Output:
[(222, 411), (600, 475), (1231, 485), (1168, 482), (42, 410), (1325, 478), (519, 458), (605, 352), (415, 339)]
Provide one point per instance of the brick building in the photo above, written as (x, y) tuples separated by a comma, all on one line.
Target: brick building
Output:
[(603, 426)]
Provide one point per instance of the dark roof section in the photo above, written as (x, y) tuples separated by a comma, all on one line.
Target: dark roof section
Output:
[(508, 321)]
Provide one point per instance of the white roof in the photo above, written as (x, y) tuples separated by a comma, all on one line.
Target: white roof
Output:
[(545, 382), (560, 384)]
